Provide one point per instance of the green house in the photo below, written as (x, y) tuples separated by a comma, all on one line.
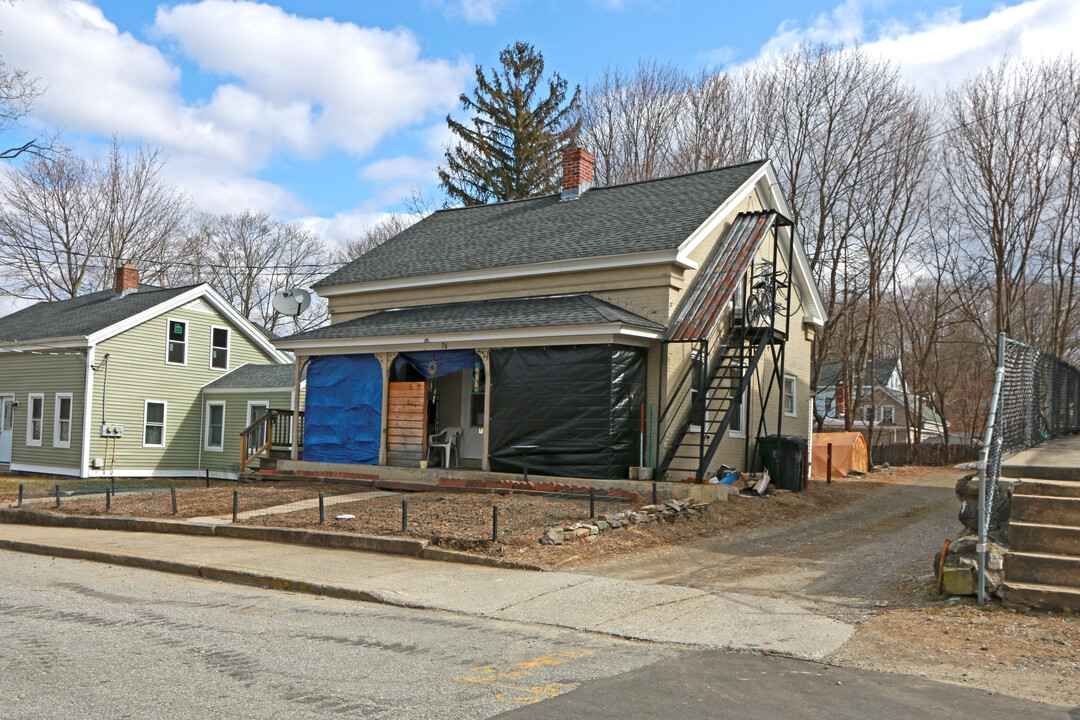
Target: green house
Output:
[(118, 383)]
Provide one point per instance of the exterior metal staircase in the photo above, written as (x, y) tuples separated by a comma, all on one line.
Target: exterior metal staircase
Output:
[(727, 379)]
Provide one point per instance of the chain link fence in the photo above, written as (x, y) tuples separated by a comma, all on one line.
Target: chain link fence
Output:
[(1036, 398)]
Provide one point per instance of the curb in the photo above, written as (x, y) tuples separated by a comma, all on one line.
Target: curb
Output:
[(291, 536)]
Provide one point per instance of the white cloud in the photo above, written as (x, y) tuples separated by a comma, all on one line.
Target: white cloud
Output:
[(306, 84), (475, 12), (943, 48), (399, 168), (345, 225), (284, 85), (946, 49)]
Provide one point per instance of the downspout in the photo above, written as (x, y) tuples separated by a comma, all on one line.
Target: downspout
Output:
[(88, 412)]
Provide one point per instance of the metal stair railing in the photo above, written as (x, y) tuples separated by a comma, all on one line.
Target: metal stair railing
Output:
[(737, 355)]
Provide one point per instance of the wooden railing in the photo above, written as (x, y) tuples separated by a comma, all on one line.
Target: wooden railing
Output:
[(272, 428)]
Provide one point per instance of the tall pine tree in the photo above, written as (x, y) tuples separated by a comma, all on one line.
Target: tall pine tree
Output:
[(511, 147)]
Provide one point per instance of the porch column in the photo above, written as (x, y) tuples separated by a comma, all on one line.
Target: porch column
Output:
[(386, 360), (485, 463), (298, 366)]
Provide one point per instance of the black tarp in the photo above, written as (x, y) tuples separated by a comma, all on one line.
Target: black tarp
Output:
[(579, 405)]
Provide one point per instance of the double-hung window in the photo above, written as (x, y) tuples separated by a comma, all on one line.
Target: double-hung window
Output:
[(791, 385), (35, 416), (154, 424), (62, 421), (219, 348), (215, 426), (176, 350), (888, 415)]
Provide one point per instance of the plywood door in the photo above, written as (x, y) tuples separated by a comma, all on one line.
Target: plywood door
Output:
[(406, 424)]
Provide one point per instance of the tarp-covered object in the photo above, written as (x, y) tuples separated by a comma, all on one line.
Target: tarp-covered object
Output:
[(343, 412), (848, 453), (579, 405), (436, 363)]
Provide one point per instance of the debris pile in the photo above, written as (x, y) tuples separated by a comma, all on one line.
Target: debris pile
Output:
[(667, 511)]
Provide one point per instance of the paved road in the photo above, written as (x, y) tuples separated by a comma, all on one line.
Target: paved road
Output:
[(82, 640), (728, 686), (838, 563)]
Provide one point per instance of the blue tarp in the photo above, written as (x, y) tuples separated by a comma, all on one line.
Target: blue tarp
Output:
[(343, 412), (446, 361)]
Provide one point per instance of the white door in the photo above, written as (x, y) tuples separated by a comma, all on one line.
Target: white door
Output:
[(7, 419), (472, 419)]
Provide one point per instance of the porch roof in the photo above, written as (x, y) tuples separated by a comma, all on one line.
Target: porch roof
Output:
[(479, 316), (256, 376)]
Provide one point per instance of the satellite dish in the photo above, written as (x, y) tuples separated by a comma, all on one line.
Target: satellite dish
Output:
[(291, 302)]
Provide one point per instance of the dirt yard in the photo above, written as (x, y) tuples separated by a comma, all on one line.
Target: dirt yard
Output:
[(864, 554), (191, 502)]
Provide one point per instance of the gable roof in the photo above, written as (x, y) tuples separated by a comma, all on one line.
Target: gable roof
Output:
[(636, 217), (86, 320), (256, 377), (480, 315), (880, 369), (81, 316)]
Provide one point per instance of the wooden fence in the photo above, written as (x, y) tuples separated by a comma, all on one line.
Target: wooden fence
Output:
[(925, 454)]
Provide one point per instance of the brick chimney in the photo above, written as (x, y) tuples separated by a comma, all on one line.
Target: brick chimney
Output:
[(127, 279), (577, 172)]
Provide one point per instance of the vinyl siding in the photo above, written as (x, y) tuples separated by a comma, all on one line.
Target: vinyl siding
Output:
[(48, 374), (226, 462), (138, 372)]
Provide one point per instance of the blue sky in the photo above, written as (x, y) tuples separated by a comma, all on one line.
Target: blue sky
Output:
[(330, 112)]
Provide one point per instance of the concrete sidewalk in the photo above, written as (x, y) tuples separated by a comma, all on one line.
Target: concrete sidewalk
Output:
[(643, 611)]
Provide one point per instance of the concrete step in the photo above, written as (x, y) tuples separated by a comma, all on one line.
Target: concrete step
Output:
[(1042, 538), (1046, 510), (1042, 597), (1047, 488), (1042, 569)]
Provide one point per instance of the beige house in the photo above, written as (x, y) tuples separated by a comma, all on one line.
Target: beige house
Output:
[(578, 334)]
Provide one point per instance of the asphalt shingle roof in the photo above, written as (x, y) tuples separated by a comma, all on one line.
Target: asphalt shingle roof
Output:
[(636, 217), (255, 376), (480, 315), (80, 316), (882, 370)]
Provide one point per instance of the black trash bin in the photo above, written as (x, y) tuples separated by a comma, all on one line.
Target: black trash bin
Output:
[(784, 456)]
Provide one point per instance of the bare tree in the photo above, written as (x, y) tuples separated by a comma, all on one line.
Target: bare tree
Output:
[(50, 224), (372, 237), (628, 120), (248, 257), (143, 216), (1001, 172)]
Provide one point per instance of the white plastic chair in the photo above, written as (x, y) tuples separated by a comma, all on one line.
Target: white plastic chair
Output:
[(446, 440)]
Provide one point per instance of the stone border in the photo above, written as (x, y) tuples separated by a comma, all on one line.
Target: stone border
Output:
[(670, 511), (292, 536)]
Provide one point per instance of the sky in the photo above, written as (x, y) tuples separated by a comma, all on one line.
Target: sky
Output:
[(332, 112)]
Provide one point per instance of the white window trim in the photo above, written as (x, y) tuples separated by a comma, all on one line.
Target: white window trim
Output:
[(228, 347), (164, 422), (30, 442), (881, 414), (206, 430), (794, 396), (744, 410), (168, 341), (57, 442), (696, 357)]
